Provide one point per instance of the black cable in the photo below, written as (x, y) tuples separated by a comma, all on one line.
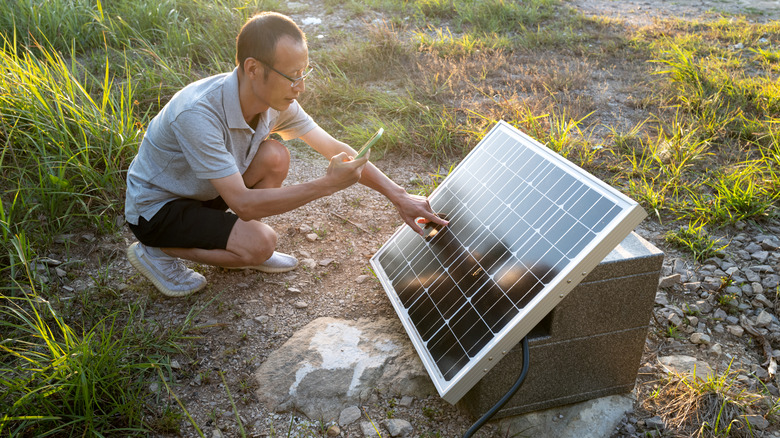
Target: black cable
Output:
[(489, 414)]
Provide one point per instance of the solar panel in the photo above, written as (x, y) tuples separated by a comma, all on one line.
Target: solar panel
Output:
[(525, 227)]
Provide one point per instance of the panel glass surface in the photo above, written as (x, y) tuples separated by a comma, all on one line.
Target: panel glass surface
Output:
[(518, 219)]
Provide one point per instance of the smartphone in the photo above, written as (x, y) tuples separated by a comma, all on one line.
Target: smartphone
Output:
[(370, 143)]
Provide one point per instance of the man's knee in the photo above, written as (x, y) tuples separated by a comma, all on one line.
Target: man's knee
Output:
[(275, 155), (253, 241)]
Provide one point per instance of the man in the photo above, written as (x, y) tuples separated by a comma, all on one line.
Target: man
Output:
[(208, 150)]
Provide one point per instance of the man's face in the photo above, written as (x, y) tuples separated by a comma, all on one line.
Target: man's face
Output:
[(292, 59)]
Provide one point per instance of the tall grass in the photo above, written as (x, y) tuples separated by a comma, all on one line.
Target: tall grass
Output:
[(68, 138), (55, 381)]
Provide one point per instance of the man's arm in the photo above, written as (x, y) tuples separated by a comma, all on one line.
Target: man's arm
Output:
[(410, 207), (251, 204)]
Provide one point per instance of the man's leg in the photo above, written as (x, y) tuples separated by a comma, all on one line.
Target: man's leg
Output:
[(248, 244), (251, 242)]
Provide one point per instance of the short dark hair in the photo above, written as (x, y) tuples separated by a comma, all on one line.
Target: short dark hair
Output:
[(259, 35)]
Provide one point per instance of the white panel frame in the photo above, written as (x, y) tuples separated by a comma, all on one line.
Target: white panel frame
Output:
[(556, 290)]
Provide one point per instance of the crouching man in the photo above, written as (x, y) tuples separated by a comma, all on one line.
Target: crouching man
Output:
[(208, 151)]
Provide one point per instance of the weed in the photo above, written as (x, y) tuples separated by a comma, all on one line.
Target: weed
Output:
[(711, 406), (695, 238)]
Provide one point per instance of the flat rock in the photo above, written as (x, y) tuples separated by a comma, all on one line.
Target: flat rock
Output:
[(596, 418), (349, 415), (686, 365), (331, 364), (398, 427)]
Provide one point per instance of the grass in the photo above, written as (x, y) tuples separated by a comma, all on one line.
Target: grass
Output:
[(81, 80), (58, 381), (710, 406)]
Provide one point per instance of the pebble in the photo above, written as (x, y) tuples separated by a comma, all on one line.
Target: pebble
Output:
[(326, 262), (368, 429), (362, 279), (397, 427), (305, 229), (763, 319), (333, 431), (757, 421), (700, 338), (669, 281), (349, 415), (312, 237), (736, 330), (406, 401), (293, 290), (309, 263), (655, 423), (262, 319), (300, 305)]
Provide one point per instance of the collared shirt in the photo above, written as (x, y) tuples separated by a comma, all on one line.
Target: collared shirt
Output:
[(200, 135)]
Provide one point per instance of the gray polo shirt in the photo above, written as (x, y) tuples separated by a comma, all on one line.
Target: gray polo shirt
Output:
[(200, 135)]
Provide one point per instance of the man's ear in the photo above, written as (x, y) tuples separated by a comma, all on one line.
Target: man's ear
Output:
[(252, 68)]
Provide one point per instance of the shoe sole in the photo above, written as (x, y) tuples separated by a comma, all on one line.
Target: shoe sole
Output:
[(136, 262), (268, 270)]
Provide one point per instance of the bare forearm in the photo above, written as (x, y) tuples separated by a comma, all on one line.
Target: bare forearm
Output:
[(259, 203)]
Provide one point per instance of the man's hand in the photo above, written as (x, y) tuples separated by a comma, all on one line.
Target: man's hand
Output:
[(411, 207), (343, 171)]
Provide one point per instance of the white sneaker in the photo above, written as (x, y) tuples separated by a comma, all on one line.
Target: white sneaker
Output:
[(279, 262), (168, 274)]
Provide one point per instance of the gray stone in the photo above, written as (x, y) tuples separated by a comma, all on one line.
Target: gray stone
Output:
[(770, 281), (349, 415), (398, 427), (311, 237), (330, 364), (769, 243), (704, 306), (692, 286), (715, 350), (595, 418), (262, 319), (661, 299), (760, 298), (686, 365), (700, 338), (406, 401), (736, 330), (760, 256), (656, 423), (757, 421), (309, 263), (368, 429), (675, 319), (669, 281), (720, 315), (753, 247), (752, 276), (764, 319), (763, 269), (326, 262), (362, 278), (756, 288)]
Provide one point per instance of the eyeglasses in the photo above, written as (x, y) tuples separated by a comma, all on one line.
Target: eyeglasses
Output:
[(294, 81)]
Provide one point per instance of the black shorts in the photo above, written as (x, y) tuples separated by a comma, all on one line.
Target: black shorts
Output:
[(187, 223)]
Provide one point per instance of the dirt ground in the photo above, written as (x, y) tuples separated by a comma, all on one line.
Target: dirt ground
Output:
[(244, 315)]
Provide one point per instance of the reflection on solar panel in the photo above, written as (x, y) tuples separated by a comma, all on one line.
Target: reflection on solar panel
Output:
[(525, 227)]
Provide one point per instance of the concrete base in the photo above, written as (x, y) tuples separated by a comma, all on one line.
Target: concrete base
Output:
[(589, 346)]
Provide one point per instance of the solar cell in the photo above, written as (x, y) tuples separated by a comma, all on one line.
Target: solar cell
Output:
[(525, 227)]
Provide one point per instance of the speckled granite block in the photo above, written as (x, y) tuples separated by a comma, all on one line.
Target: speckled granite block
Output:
[(589, 346)]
